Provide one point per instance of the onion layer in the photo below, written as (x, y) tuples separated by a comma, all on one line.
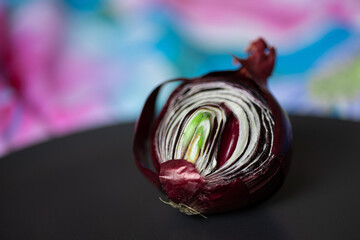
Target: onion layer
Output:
[(220, 142)]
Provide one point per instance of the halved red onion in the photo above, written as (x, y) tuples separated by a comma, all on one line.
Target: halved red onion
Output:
[(220, 142)]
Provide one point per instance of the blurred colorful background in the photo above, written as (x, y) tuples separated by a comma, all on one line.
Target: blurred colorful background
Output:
[(71, 65)]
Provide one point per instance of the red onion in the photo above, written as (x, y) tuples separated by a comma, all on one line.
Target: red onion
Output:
[(221, 141)]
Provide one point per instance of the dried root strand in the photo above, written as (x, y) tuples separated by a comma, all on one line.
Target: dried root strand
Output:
[(183, 208)]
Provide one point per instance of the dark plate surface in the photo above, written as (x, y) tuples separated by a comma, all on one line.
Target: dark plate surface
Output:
[(86, 186)]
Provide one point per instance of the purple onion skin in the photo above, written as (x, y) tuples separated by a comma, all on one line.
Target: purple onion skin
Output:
[(179, 179)]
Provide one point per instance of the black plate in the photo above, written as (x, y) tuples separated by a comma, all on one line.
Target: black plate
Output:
[(86, 186)]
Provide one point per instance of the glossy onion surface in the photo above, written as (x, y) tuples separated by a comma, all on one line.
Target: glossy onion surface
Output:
[(221, 141)]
